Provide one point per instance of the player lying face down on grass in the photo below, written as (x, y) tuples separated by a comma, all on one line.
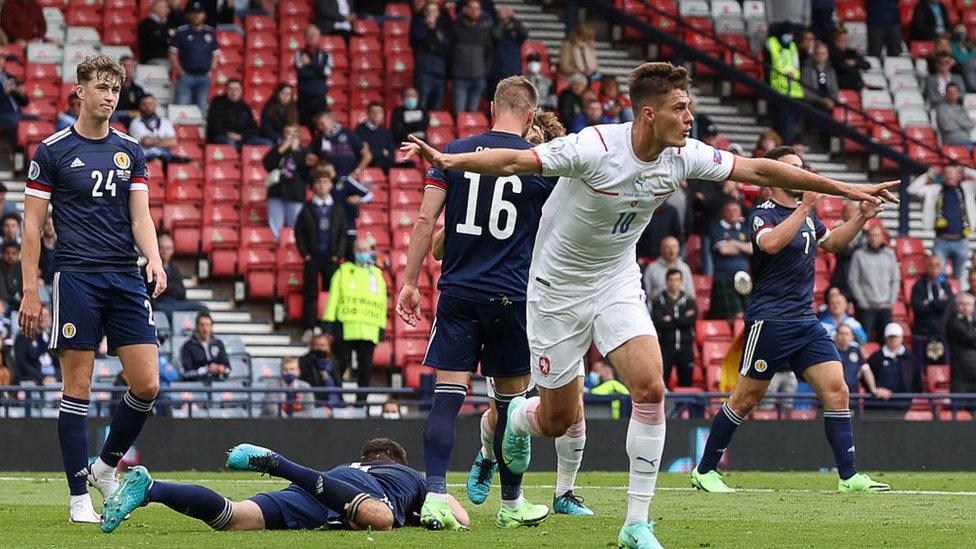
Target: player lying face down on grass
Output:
[(378, 493), (96, 181)]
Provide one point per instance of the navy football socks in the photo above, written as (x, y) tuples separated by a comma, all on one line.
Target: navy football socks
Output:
[(723, 427), (194, 501), (439, 433), (840, 435), (127, 422), (511, 482), (73, 436)]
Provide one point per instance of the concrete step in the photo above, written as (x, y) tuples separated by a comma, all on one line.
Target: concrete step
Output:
[(729, 121), (276, 351), (199, 294), (231, 316), (218, 305), (265, 339), (729, 110), (254, 328)]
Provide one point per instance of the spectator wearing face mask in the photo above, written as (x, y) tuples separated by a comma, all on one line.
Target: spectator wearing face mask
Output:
[(964, 52), (293, 403), (783, 66), (534, 74), (357, 312), (410, 118), (391, 408), (318, 369)]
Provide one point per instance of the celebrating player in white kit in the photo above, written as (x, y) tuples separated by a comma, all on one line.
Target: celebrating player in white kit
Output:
[(584, 284)]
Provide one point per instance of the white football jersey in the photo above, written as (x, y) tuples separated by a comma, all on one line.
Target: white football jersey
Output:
[(604, 200)]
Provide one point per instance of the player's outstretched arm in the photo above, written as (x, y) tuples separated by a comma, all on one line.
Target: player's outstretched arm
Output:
[(486, 162), (772, 240), (144, 233), (35, 213), (770, 173), (843, 235), (408, 302)]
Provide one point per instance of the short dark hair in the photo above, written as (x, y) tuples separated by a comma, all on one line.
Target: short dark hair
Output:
[(203, 315), (13, 216), (11, 245), (384, 449), (375, 104), (654, 79), (674, 272), (233, 80), (779, 152)]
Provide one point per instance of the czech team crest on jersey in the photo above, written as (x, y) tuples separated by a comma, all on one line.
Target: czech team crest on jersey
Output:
[(544, 364), (122, 160), (34, 171)]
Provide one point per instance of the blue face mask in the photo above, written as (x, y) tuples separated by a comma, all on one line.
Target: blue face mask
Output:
[(594, 378), (410, 103), (787, 38), (288, 378), (364, 258)]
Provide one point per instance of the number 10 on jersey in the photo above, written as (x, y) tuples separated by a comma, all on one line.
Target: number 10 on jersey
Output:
[(623, 222)]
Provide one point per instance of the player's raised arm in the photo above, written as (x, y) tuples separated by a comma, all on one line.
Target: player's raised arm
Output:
[(35, 213), (144, 233), (486, 162), (772, 238), (408, 302), (770, 173)]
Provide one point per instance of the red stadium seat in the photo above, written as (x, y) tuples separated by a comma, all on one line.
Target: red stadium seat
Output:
[(184, 193), (260, 283), (406, 177), (366, 62), (395, 28), (937, 378), (254, 154), (440, 137), (367, 27), (364, 45), (183, 222), (230, 40), (714, 352), (258, 237), (43, 89), (258, 23), (41, 71), (830, 207), (254, 195), (223, 243), (406, 197), (289, 281), (222, 192), (712, 331), (32, 131), (907, 246), (703, 284), (261, 41), (184, 173), (912, 267), (472, 122), (407, 349), (119, 18), (222, 172), (378, 237), (221, 153), (188, 134), (438, 119), (373, 176)]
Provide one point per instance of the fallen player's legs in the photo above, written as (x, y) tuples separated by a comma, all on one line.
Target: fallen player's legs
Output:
[(204, 504), (827, 380)]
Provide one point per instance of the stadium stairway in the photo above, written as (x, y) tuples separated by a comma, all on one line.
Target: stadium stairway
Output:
[(736, 118)]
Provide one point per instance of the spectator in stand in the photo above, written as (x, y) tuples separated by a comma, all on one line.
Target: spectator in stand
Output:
[(542, 83), (130, 94), (875, 281), (616, 105), (176, 16), (193, 54), (154, 33), (507, 35), (335, 16), (230, 120), (22, 21), (884, 28), (768, 140), (856, 370), (357, 312), (68, 116), (351, 194), (666, 225), (948, 207), (731, 250), (570, 100), (320, 235), (592, 115), (203, 357), (430, 38), (848, 63), (410, 118), (49, 238), (280, 111), (13, 98), (339, 146), (842, 264), (937, 83), (174, 297), (822, 19), (964, 52), (294, 403), (655, 275), (806, 43), (34, 361), (893, 367), (577, 55), (471, 59), (929, 20), (674, 313), (11, 279), (155, 133), (954, 121), (783, 66), (932, 298), (313, 66), (971, 283), (219, 12), (378, 137), (391, 408), (8, 369), (289, 168), (837, 316), (960, 333), (820, 79), (318, 369), (11, 229), (6, 207)]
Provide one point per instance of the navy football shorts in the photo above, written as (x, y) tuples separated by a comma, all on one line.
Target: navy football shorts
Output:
[(772, 344), (466, 333), (295, 509), (87, 306)]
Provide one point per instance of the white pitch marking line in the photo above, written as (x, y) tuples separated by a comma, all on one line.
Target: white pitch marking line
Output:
[(539, 486)]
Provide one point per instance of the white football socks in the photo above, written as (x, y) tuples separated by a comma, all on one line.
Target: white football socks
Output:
[(569, 456), (645, 445), (523, 419), (101, 469), (487, 438)]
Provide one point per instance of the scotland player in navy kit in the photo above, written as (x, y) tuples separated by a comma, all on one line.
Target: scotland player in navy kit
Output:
[(95, 179), (782, 330), (490, 225), (380, 492)]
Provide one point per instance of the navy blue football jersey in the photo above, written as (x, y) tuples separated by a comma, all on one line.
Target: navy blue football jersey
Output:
[(783, 282), (489, 224), (88, 182), (404, 487)]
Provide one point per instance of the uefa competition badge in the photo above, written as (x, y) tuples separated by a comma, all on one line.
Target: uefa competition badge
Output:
[(34, 171)]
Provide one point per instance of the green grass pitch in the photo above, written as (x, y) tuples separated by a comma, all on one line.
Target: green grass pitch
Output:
[(776, 510)]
